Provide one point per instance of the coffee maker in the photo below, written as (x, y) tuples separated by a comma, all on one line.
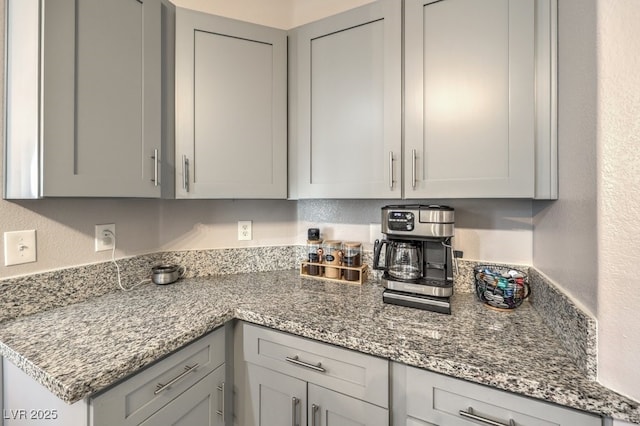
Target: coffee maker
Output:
[(418, 256)]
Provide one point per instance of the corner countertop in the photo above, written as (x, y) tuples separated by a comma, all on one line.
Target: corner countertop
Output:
[(77, 350)]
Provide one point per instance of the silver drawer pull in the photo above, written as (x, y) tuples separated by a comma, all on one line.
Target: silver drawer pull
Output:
[(187, 370), (295, 360), (469, 414), (221, 412)]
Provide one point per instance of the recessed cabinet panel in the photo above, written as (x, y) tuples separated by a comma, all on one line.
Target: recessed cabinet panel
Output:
[(243, 79), (274, 398), (466, 114), (231, 86), (104, 132), (345, 104), (470, 99), (335, 409)]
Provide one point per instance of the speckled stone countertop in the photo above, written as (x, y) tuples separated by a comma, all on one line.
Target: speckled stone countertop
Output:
[(79, 349)]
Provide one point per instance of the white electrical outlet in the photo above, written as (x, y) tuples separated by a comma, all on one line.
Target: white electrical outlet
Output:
[(244, 230), (19, 247), (104, 239)]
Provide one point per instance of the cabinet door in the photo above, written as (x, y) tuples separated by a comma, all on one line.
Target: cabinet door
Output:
[(231, 85), (199, 405), (345, 96), (330, 408), (470, 98), (102, 98), (275, 398)]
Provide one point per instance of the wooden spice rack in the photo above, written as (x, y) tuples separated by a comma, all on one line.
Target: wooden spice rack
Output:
[(362, 272)]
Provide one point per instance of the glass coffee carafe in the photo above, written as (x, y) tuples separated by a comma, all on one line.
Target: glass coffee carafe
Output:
[(404, 261)]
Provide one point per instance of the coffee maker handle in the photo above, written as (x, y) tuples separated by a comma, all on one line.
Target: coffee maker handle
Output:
[(377, 249)]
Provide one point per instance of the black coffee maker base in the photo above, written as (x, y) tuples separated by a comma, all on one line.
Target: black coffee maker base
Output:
[(411, 300)]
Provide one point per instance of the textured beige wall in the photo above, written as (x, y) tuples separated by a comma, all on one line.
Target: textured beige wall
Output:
[(564, 237), (619, 195)]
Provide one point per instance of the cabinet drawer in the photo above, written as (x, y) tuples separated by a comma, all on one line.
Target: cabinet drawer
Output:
[(440, 399), (139, 396), (349, 372), (200, 405)]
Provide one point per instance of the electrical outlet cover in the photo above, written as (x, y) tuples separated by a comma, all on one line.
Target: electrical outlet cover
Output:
[(19, 247), (103, 243), (244, 230)]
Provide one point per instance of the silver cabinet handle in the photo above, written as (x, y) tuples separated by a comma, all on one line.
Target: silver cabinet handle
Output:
[(413, 168), (294, 407), (156, 160), (470, 415), (187, 370), (296, 361), (221, 412), (314, 410), (185, 173), (390, 170)]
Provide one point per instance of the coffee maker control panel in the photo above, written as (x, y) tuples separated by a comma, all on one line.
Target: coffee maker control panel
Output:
[(401, 221), (418, 221)]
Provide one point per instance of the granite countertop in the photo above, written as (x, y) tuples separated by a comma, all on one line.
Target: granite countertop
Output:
[(80, 349)]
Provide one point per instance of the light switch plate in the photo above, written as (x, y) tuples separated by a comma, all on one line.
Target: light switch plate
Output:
[(19, 247)]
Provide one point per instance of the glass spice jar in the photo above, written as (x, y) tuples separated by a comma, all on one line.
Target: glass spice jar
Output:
[(314, 249), (352, 257), (332, 256)]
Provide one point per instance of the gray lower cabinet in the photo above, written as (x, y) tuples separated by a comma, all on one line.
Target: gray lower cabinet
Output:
[(346, 104), (425, 398), (285, 379), (231, 108), (480, 96), (185, 388), (84, 98)]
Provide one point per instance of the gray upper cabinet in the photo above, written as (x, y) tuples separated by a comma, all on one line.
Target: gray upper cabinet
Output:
[(345, 104), (231, 108), (83, 98), (480, 99)]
